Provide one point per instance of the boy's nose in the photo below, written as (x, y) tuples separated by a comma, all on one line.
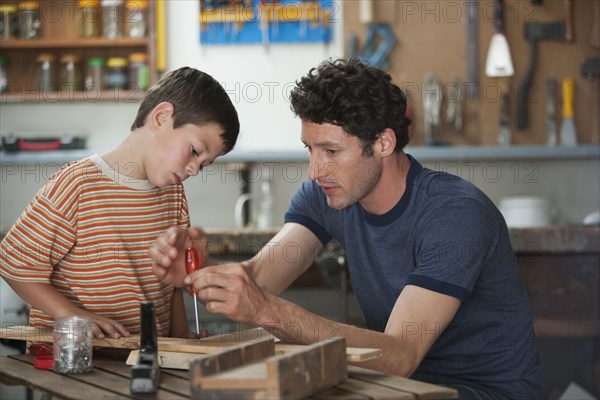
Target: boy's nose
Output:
[(194, 167)]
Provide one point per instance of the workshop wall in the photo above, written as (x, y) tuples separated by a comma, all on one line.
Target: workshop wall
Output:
[(432, 36)]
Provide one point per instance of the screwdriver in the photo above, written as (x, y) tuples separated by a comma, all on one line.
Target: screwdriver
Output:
[(192, 263)]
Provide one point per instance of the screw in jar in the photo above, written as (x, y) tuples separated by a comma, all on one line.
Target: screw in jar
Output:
[(136, 14), (70, 72), (112, 18), (29, 20), (94, 77), (45, 72), (9, 23), (72, 345), (89, 18), (138, 71), (116, 73)]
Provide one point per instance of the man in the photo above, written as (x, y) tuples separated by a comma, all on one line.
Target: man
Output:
[(428, 253)]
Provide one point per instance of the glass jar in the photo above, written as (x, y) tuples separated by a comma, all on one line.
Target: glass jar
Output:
[(29, 20), (116, 73), (46, 72), (112, 18), (3, 76), (70, 72), (89, 18), (9, 23), (136, 15), (138, 71), (72, 345), (94, 77)]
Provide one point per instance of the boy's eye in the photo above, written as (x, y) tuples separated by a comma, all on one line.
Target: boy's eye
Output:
[(194, 152)]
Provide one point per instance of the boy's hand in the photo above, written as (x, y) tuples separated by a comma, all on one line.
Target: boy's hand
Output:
[(103, 326), (168, 253)]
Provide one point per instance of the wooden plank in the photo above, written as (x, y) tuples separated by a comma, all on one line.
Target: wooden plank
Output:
[(61, 386), (252, 376), (374, 391), (338, 394), (421, 390)]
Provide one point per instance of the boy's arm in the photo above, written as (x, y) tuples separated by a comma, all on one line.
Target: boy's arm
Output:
[(45, 297)]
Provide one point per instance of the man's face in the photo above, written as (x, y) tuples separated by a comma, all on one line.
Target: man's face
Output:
[(180, 153), (338, 165)]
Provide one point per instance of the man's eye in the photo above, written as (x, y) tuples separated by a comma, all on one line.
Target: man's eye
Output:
[(332, 152)]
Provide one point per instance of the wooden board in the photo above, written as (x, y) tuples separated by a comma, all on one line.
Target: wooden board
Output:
[(295, 375), (167, 346)]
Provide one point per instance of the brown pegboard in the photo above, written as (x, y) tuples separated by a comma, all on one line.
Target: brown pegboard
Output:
[(432, 36)]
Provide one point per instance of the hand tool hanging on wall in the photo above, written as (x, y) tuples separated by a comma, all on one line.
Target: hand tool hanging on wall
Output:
[(192, 263), (551, 130), (499, 65), (455, 100), (145, 374), (264, 23), (432, 100), (568, 134), (472, 48), (590, 69), (534, 33), (379, 41)]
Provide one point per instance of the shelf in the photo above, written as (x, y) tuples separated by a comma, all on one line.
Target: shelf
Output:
[(106, 95), (72, 43)]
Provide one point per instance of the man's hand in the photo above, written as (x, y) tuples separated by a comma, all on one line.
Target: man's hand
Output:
[(229, 290), (168, 253)]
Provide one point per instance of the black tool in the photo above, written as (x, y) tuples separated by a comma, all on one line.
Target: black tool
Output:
[(535, 32), (145, 374)]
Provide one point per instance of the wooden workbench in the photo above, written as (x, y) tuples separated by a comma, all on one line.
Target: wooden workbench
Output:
[(111, 376)]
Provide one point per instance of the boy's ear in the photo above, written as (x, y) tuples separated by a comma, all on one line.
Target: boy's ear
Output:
[(161, 114)]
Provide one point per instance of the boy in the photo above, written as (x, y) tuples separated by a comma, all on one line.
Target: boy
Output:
[(81, 245)]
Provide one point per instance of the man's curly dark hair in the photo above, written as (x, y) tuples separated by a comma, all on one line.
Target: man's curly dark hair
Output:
[(355, 96)]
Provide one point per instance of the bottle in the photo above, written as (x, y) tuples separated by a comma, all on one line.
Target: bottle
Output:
[(138, 71), (116, 73), (112, 18), (46, 79), (89, 18), (72, 350), (70, 72), (29, 20), (136, 15), (264, 213), (94, 77)]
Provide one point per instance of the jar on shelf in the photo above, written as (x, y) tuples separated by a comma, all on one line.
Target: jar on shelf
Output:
[(29, 20), (112, 18), (88, 16), (46, 79), (136, 17), (70, 72), (116, 73), (72, 345), (138, 71), (3, 76), (94, 78), (9, 23)]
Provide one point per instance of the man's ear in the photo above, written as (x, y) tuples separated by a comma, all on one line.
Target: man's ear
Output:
[(386, 142), (161, 114)]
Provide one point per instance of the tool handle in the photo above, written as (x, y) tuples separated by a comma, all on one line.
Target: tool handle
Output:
[(568, 95), (525, 87), (568, 20), (499, 16), (192, 263)]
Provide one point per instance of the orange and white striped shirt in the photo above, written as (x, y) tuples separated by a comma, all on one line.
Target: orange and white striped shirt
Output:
[(87, 232)]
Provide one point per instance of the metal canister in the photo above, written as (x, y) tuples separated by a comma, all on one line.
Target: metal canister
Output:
[(29, 20), (112, 18)]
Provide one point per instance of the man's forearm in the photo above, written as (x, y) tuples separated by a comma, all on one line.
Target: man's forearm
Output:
[(292, 323)]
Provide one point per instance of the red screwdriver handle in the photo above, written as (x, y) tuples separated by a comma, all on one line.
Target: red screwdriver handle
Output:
[(192, 262)]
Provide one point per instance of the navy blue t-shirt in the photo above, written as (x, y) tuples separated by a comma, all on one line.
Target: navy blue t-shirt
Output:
[(447, 236)]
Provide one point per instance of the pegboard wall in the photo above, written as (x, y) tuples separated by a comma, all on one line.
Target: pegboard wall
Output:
[(431, 36)]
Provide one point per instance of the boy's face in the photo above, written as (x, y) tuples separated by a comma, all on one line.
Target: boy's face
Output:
[(177, 154)]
